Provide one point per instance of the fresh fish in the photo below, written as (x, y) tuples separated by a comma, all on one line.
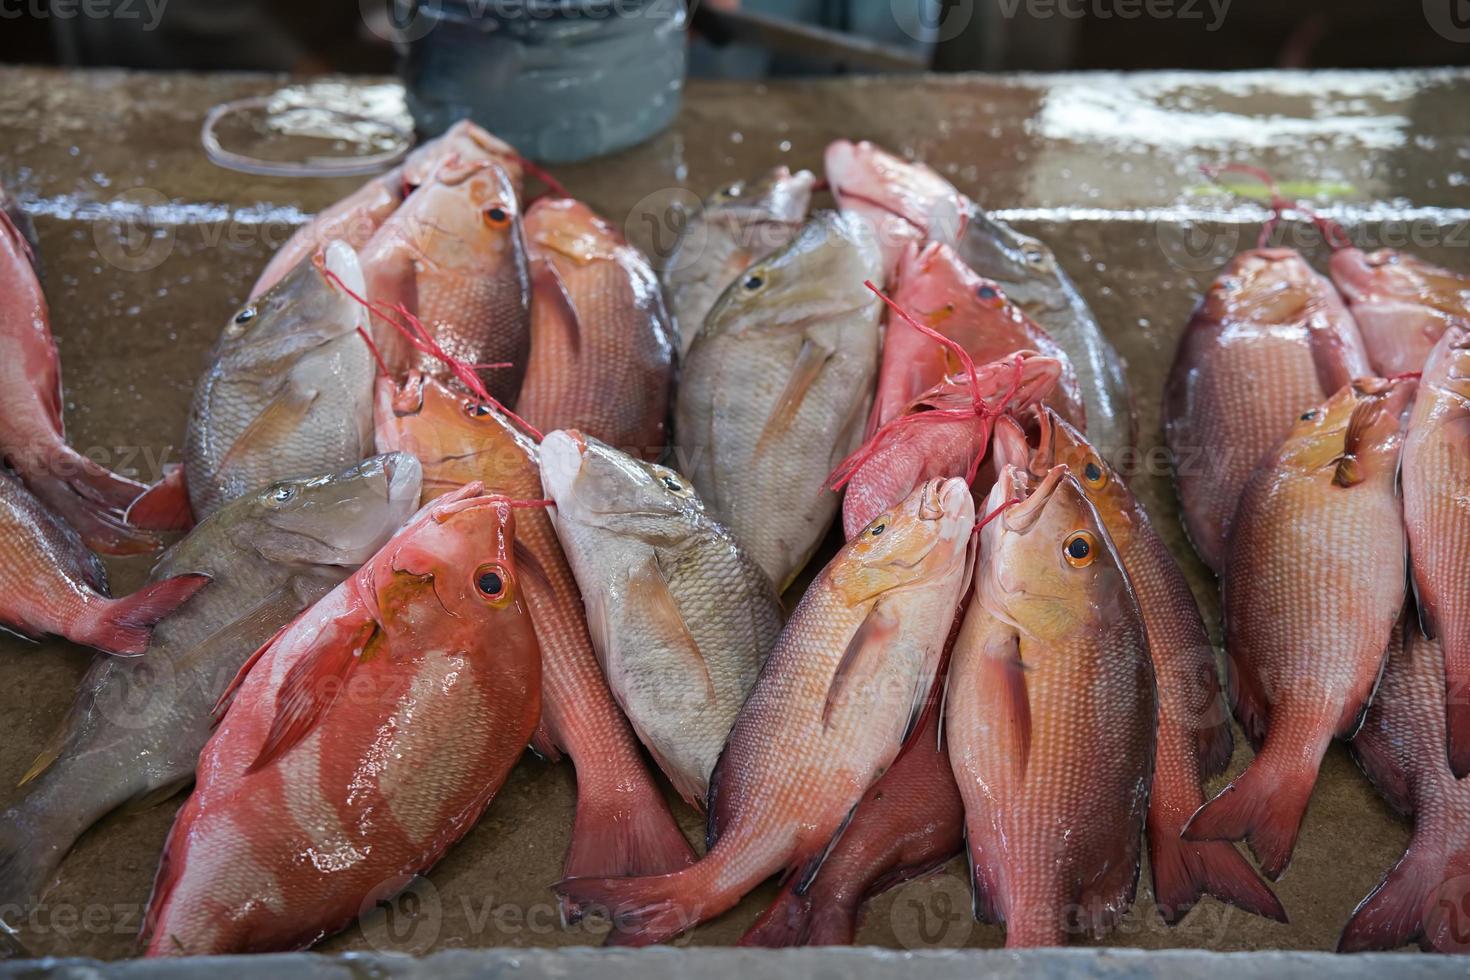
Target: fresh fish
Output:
[(1049, 717), (1436, 472), (944, 432), (1421, 899), (623, 825), (908, 825), (138, 725), (359, 215), (941, 292), (289, 390), (902, 202), (453, 256), (738, 226), (1269, 341), (681, 617), (1033, 279), (310, 799), (1194, 741), (90, 498), (602, 347), (1402, 304), (839, 696), (50, 584), (21, 221), (776, 389), (1313, 583)]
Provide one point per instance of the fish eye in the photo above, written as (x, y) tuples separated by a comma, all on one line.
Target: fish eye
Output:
[(987, 292), (1033, 254), (1080, 549), (1094, 475), (490, 581), (878, 528), (753, 283), (671, 483), (476, 410), (1309, 415), (245, 316), (497, 217), (282, 493)]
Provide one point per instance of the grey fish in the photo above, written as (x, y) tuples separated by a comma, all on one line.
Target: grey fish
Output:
[(777, 387), (138, 725), (1033, 279), (289, 391), (738, 226), (680, 616)]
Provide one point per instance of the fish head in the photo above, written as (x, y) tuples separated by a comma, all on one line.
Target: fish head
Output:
[(1048, 566), (903, 200), (1394, 275), (466, 218), (777, 195), (596, 485), (1264, 285), (340, 519), (1025, 265), (1354, 436), (914, 542), (452, 573), (938, 288), (570, 229), (313, 304), (819, 275), (456, 437), (1060, 444), (464, 144)]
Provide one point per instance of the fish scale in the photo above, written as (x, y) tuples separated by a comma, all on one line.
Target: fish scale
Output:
[(779, 799), (1270, 340)]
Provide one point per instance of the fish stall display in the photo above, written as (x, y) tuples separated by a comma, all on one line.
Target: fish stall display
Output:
[(803, 565)]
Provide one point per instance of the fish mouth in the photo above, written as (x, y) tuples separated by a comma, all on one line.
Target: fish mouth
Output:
[(950, 503), (1021, 517), (561, 458), (405, 478)]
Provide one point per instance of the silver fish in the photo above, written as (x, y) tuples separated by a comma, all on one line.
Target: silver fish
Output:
[(738, 226), (138, 725), (1033, 279), (680, 616), (777, 387), (289, 391)]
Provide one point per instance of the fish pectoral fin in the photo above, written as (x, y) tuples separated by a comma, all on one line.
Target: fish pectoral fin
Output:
[(648, 591), (806, 872), (551, 288), (804, 373), (283, 413), (314, 683), (217, 713), (1348, 469), (863, 653), (149, 799), (1006, 678), (531, 567)]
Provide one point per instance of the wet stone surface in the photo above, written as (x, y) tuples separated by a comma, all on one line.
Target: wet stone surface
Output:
[(148, 248)]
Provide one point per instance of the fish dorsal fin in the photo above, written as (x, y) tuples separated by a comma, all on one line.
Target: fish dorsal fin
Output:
[(648, 591), (872, 634), (805, 371), (314, 683), (1348, 468)]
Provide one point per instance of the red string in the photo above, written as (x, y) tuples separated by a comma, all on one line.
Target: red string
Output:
[(951, 345), (996, 513), (554, 185), (1332, 232)]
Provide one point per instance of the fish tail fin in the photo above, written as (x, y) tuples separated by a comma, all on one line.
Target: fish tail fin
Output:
[(644, 911), (1263, 806), (28, 857), (786, 922), (833, 923), (1393, 913), (618, 832), (164, 506), (125, 626), (93, 500), (1184, 870)]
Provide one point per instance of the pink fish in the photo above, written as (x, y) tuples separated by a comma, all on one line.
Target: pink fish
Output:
[(1401, 303), (901, 202)]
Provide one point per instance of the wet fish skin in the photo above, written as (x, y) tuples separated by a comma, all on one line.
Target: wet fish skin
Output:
[(22, 223), (137, 726), (1049, 717), (89, 497), (940, 291), (1437, 520), (839, 695), (454, 256), (681, 618), (1399, 748), (50, 584), (1033, 279), (375, 729), (1269, 341), (1194, 741), (1401, 303), (901, 202), (776, 389), (910, 824), (737, 226), (289, 389), (1313, 584), (623, 825), (602, 344)]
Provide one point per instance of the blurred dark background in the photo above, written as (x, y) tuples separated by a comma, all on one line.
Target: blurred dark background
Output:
[(311, 36)]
